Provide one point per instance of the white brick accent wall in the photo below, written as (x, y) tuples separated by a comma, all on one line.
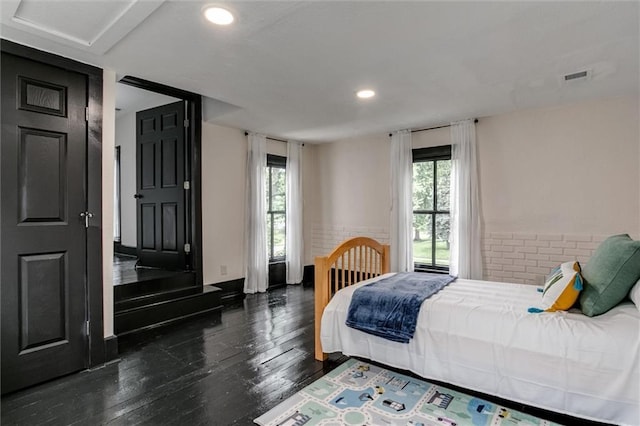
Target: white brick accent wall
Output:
[(325, 238), (528, 258), (507, 256)]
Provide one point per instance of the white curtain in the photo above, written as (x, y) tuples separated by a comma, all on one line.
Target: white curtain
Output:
[(257, 263), (466, 259), (294, 238), (401, 202)]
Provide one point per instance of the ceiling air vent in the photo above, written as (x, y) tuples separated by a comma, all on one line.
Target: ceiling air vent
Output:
[(581, 75)]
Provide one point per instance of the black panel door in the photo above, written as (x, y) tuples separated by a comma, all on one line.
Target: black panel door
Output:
[(43, 257), (160, 179)]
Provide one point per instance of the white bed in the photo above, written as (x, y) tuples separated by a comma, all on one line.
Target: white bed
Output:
[(479, 335)]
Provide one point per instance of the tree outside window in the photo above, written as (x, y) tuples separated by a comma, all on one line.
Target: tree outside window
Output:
[(431, 198), (275, 183)]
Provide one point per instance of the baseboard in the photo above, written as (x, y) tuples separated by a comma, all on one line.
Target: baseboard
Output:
[(118, 248), (277, 274), (232, 291), (308, 278), (309, 275), (276, 286), (110, 348)]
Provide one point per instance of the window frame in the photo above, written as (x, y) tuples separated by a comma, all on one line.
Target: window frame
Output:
[(280, 162), (423, 155)]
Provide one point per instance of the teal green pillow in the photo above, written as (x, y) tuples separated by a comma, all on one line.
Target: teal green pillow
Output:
[(610, 273)]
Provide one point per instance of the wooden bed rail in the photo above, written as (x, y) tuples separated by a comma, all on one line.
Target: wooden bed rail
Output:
[(354, 260)]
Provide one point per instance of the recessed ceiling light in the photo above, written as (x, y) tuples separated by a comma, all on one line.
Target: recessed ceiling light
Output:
[(367, 93), (218, 15)]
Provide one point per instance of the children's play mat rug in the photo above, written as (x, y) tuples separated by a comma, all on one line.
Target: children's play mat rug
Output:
[(358, 393)]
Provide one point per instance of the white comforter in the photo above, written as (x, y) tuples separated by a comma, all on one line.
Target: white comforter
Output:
[(479, 335)]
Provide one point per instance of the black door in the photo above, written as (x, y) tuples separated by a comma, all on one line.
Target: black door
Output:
[(160, 152), (44, 134)]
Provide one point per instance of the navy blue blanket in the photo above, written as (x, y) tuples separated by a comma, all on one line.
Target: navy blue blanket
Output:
[(389, 307)]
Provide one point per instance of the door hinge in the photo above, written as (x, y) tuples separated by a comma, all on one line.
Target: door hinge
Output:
[(187, 184), (186, 122), (86, 113), (187, 248), (88, 325)]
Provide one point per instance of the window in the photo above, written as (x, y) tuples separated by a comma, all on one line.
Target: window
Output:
[(431, 220), (276, 214)]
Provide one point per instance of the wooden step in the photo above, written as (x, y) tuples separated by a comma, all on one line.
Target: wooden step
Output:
[(157, 283), (144, 317), (153, 298)]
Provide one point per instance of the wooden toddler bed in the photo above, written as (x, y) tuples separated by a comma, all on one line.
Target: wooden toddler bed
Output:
[(479, 335)]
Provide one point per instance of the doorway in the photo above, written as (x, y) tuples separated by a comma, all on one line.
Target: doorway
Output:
[(130, 101), (157, 226), (133, 105)]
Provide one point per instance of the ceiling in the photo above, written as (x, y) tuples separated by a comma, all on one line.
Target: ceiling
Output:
[(131, 99), (291, 69)]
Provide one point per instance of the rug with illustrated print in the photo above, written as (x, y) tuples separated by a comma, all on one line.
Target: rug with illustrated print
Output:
[(358, 393)]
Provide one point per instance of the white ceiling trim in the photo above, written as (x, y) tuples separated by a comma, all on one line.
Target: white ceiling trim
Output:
[(130, 15)]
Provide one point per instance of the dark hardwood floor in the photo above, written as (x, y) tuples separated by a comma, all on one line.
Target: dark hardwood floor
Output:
[(200, 372)]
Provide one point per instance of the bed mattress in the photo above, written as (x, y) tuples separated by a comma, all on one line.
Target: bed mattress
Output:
[(479, 335)]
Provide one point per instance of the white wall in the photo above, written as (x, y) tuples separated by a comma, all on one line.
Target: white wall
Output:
[(570, 169), (310, 199), (354, 176), (108, 148), (353, 196), (126, 140), (435, 137), (553, 183), (224, 153)]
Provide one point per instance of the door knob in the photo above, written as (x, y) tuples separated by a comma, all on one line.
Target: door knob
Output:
[(86, 216), (137, 195)]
